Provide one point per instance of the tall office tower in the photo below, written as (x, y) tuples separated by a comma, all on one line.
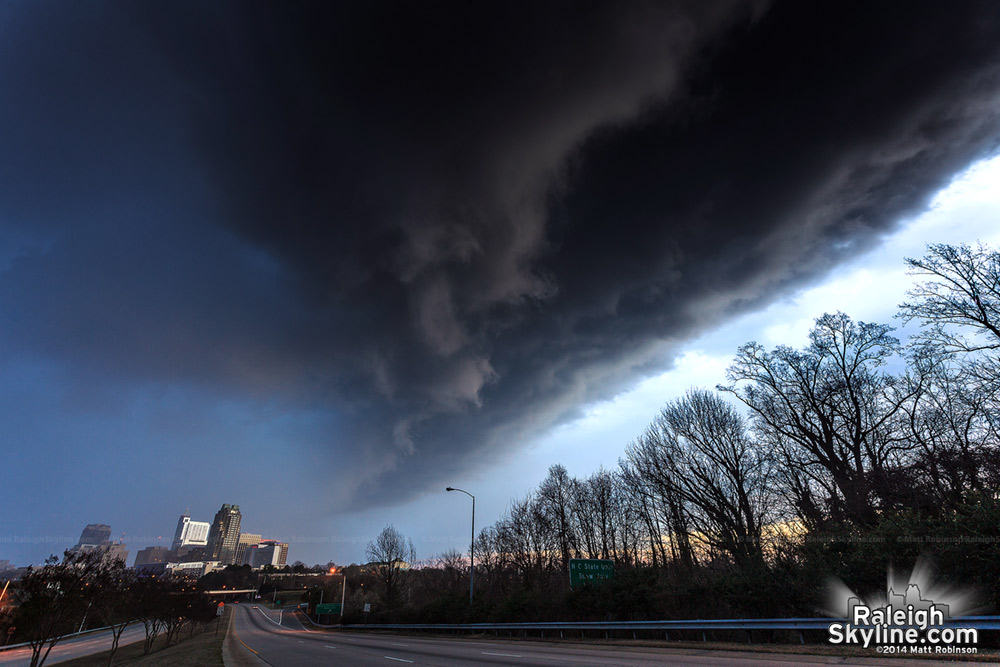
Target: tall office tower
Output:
[(190, 533), (224, 535), (282, 553), (93, 536), (247, 540)]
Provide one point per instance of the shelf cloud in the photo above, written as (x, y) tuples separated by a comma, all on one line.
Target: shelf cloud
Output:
[(450, 226)]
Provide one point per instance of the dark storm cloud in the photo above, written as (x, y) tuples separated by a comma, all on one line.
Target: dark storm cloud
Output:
[(454, 224)]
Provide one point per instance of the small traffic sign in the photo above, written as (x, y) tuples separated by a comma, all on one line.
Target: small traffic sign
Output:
[(583, 570), (328, 608)]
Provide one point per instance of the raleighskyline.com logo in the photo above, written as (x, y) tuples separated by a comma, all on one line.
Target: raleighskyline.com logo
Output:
[(904, 623)]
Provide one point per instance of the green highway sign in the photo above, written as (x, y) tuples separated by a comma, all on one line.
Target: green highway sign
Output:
[(329, 608), (583, 570)]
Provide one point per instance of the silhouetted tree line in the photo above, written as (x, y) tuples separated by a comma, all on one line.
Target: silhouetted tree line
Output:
[(840, 458), (91, 590)]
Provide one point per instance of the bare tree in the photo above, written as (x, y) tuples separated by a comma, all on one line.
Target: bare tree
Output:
[(52, 601), (528, 542), (720, 471), (555, 499), (641, 501), (649, 471), (491, 564), (390, 555), (114, 598), (149, 601), (831, 410), (621, 524), (959, 304), (958, 307), (585, 519), (447, 571)]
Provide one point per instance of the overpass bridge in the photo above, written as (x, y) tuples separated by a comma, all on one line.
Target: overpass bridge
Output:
[(231, 591)]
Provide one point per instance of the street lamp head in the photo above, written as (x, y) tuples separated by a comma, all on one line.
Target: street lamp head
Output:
[(449, 489)]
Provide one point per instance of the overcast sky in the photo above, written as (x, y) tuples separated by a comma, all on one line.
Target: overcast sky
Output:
[(323, 260)]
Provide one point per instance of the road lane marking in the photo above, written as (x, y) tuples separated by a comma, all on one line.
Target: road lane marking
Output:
[(327, 646), (506, 655), (268, 617), (243, 642), (397, 644), (389, 657)]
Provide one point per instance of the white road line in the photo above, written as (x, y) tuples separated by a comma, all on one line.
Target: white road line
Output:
[(268, 617), (506, 655), (389, 657), (326, 646), (396, 644), (550, 657)]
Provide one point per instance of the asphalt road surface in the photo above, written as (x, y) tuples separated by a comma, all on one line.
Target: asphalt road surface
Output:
[(76, 647), (280, 640)]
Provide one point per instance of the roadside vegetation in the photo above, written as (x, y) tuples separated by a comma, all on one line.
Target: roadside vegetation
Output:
[(201, 647), (84, 590)]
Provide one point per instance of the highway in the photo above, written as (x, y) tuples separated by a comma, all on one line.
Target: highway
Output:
[(279, 639), (76, 647)]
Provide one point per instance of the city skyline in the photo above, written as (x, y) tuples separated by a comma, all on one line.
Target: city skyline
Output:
[(191, 543)]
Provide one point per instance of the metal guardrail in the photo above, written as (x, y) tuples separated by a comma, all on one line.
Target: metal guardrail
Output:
[(746, 624), (305, 615)]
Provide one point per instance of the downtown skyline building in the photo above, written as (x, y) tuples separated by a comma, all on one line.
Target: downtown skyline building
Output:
[(268, 552), (190, 533), (94, 535), (246, 541), (97, 537), (224, 535)]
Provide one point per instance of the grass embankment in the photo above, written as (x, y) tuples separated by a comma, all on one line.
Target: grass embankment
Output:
[(204, 649)]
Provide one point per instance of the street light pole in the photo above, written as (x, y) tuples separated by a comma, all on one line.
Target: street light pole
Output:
[(343, 597), (472, 544)]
